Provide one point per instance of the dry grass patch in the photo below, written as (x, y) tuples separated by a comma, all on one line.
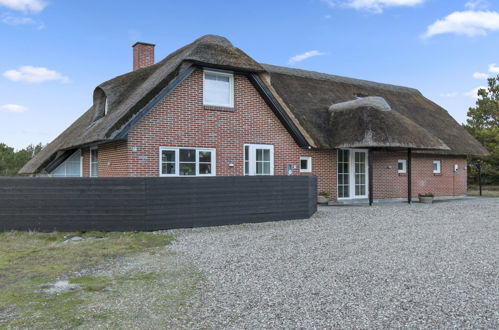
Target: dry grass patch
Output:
[(29, 262), (487, 191)]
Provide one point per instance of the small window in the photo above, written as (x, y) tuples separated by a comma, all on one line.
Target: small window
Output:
[(71, 167), (402, 166), (106, 107), (258, 159), (187, 162), (218, 89), (436, 166), (305, 164), (94, 162)]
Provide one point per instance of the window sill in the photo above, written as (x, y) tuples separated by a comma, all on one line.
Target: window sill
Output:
[(219, 108), (402, 174), (437, 174)]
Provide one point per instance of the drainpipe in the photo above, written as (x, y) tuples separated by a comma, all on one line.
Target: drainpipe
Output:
[(370, 161), (409, 176)]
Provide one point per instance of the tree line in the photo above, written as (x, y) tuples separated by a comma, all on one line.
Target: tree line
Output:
[(483, 124), (11, 161)]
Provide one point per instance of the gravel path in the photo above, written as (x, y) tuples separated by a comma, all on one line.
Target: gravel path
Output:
[(387, 266)]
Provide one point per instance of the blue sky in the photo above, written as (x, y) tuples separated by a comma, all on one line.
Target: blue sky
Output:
[(54, 52)]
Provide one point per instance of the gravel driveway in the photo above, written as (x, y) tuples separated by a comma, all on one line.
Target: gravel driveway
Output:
[(392, 265)]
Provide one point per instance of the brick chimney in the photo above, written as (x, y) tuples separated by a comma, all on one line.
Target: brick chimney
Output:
[(143, 55)]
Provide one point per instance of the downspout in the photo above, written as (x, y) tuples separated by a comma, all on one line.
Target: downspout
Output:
[(409, 176), (370, 160)]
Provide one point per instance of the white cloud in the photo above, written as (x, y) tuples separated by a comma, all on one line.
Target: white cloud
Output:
[(474, 92), (477, 4), (332, 3), (14, 20), (480, 75), (470, 23), (33, 6), (33, 74), (493, 68), (376, 6), (304, 56), (13, 108), (449, 94)]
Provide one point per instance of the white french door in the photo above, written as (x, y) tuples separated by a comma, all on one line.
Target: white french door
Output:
[(352, 173)]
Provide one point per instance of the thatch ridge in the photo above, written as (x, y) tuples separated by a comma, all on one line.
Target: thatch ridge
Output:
[(340, 79), (375, 102)]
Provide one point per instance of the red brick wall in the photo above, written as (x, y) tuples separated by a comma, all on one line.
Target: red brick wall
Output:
[(112, 159), (388, 183), (181, 120), (85, 153)]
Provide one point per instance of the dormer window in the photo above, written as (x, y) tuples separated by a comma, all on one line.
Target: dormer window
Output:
[(105, 107), (101, 106), (218, 89)]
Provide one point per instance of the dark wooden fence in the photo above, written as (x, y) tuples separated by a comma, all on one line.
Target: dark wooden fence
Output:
[(121, 204)]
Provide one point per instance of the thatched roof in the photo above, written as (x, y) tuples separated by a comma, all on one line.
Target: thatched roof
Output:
[(372, 123), (306, 97), (129, 93), (309, 96)]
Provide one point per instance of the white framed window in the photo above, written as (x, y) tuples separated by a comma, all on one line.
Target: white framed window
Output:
[(187, 161), (437, 166), (402, 166), (218, 88), (71, 167), (258, 159), (306, 164), (94, 162)]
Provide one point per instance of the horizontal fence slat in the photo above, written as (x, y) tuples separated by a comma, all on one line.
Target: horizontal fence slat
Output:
[(118, 204)]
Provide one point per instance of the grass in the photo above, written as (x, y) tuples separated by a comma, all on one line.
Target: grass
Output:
[(91, 283), (30, 261), (487, 190)]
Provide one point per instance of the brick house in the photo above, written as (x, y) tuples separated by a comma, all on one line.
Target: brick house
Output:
[(209, 109)]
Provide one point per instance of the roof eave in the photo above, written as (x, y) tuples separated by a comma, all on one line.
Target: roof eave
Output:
[(122, 132), (271, 99)]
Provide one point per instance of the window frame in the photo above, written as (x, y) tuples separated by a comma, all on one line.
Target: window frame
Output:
[(252, 159), (231, 87), (309, 163), (404, 167), (64, 163), (90, 174), (439, 166), (177, 161), (351, 174)]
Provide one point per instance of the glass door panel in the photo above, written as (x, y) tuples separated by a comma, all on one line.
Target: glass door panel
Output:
[(351, 171), (343, 170), (360, 173)]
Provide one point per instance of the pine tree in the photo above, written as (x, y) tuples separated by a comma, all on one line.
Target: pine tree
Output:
[(483, 124)]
